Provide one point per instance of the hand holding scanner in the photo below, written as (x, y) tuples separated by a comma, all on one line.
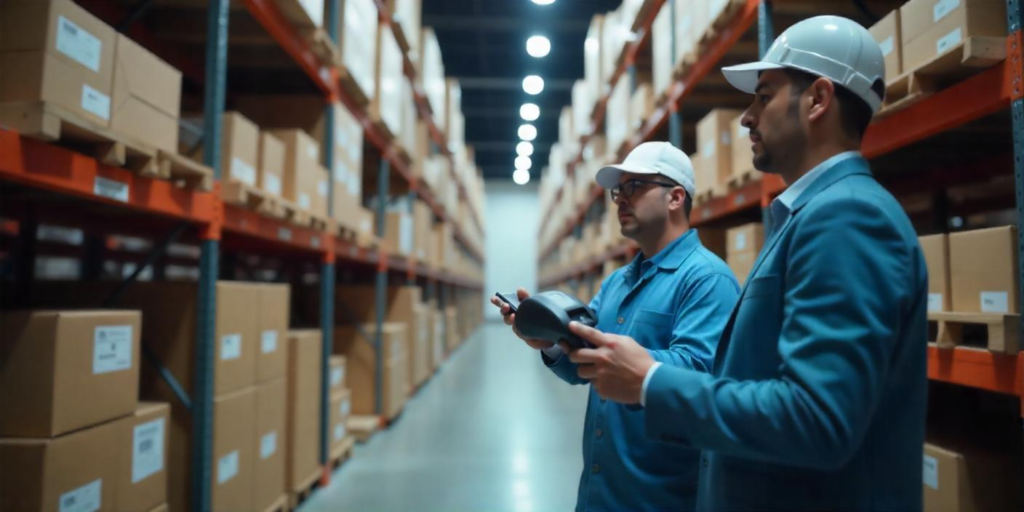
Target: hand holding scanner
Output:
[(546, 316)]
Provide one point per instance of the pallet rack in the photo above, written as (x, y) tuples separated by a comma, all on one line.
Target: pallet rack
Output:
[(144, 205), (996, 90)]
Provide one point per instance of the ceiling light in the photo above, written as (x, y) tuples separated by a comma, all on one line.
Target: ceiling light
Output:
[(533, 84), (527, 132), (524, 149), (529, 112), (543, 2), (521, 177), (538, 46), (523, 162)]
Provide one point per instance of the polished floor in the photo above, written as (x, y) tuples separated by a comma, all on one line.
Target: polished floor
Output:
[(493, 430)]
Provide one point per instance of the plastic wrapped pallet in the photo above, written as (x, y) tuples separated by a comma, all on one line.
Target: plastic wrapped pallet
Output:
[(582, 108), (359, 19), (617, 117), (593, 61), (431, 77), (389, 98), (661, 47)]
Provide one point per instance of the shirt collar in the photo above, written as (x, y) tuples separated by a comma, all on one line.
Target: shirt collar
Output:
[(783, 204), (671, 257)]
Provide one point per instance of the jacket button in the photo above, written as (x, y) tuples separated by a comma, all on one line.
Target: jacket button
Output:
[(622, 320), (598, 433), (595, 468)]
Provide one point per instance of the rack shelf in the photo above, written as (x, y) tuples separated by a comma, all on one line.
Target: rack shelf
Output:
[(977, 368)]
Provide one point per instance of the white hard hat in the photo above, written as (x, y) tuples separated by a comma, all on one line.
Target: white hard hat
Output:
[(829, 46), (651, 158)]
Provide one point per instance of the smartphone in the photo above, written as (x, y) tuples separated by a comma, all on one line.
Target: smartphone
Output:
[(509, 298)]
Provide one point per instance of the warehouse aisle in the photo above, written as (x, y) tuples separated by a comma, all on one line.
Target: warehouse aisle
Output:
[(493, 430)]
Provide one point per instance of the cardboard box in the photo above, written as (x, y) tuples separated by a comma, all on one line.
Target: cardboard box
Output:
[(270, 175), (341, 409), (67, 370), (362, 367), (302, 448), (240, 148), (302, 171), (745, 238), (419, 362), (387, 101), (75, 470), (408, 15), (593, 62), (887, 34), (163, 507), (936, 257), (641, 107), (662, 63), (55, 52), (338, 370), (423, 221), (398, 236), (146, 97), (618, 109), (303, 14), (269, 442), (967, 478), (272, 326), (438, 341), (741, 265), (142, 483), (714, 138), (358, 24), (452, 110), (930, 28), (983, 271), (742, 149), (451, 332)]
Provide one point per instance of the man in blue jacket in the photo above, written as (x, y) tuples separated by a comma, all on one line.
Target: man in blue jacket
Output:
[(817, 401), (674, 299)]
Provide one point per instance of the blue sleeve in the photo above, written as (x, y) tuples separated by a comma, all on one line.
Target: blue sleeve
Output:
[(846, 275), (703, 313), (563, 367)]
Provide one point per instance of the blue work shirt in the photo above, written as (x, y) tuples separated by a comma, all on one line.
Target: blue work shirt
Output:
[(675, 304)]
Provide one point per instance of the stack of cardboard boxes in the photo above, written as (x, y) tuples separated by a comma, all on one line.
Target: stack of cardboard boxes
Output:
[(743, 244), (713, 166), (362, 367), (359, 27), (341, 408), (302, 427), (973, 271)]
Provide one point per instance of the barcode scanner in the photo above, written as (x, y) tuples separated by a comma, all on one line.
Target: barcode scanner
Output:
[(546, 316)]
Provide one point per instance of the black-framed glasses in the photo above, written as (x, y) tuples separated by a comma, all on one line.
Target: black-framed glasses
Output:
[(629, 187)]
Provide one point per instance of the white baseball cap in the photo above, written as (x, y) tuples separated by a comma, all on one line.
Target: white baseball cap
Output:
[(828, 46), (652, 158)]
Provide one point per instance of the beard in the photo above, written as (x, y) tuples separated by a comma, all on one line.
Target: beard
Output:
[(790, 145)]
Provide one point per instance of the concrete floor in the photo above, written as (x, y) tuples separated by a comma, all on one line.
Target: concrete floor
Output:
[(493, 430)]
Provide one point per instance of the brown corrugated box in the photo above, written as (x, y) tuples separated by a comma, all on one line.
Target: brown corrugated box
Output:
[(419, 360), (451, 331), (272, 326), (269, 442), (362, 367), (270, 174), (741, 265), (337, 375), (240, 148), (146, 97), (438, 344), (67, 370), (163, 507), (887, 34), (301, 169), (358, 21), (341, 409), (75, 470), (745, 238), (936, 257), (423, 220), (56, 52), (142, 483), (714, 141), (969, 478), (930, 27), (983, 270), (302, 447), (398, 236)]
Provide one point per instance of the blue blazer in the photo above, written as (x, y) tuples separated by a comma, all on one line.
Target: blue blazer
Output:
[(817, 400)]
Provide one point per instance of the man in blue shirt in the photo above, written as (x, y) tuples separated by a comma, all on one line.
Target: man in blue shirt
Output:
[(818, 396), (674, 299)]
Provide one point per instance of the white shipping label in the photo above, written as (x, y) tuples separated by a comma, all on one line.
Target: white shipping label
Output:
[(230, 347), (355, 185), (312, 151), (345, 407), (227, 467), (110, 189), (709, 149), (321, 188), (268, 341), (886, 46), (943, 8), (934, 302), (268, 445), (726, 139), (95, 102), (112, 349), (78, 44), (741, 241), (995, 302), (364, 226), (948, 42), (273, 184), (341, 173), (405, 230), (243, 172), (339, 432), (148, 450), (305, 201), (931, 472), (285, 234), (337, 374), (340, 137), (87, 498)]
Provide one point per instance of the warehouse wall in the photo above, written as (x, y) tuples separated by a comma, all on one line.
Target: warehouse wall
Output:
[(512, 220)]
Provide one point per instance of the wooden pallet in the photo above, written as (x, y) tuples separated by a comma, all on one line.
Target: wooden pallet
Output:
[(279, 505), (343, 452), (363, 427), (185, 171), (971, 56), (1001, 330), (299, 495), (738, 181), (352, 88)]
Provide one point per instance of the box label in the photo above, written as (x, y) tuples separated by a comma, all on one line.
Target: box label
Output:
[(995, 302), (943, 8), (934, 302), (243, 172), (948, 42), (741, 241), (355, 185), (337, 374), (95, 102), (304, 201), (709, 149), (268, 445), (110, 189), (340, 173), (321, 188), (346, 407), (886, 46), (405, 230), (227, 467), (268, 341), (726, 139), (147, 450), (86, 498), (230, 347), (339, 432), (81, 46), (312, 151), (112, 349), (284, 234), (931, 472), (364, 225), (273, 184)]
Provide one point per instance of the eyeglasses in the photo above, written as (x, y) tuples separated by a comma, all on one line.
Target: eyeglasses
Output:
[(628, 188)]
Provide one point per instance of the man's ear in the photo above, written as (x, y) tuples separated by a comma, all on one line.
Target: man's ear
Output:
[(676, 198), (822, 96)]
